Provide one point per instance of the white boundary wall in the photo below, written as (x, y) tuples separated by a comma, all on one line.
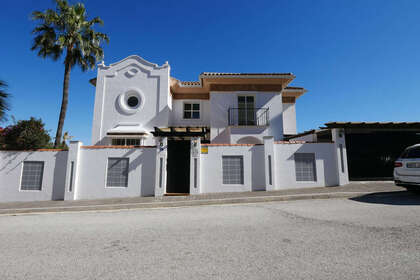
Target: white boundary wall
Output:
[(325, 165), (92, 173), (330, 169), (54, 173), (89, 173), (147, 169), (256, 174), (212, 173)]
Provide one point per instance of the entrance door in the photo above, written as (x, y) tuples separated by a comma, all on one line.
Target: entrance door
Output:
[(246, 110), (178, 168)]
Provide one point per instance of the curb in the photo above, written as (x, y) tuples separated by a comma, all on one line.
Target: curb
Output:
[(183, 203)]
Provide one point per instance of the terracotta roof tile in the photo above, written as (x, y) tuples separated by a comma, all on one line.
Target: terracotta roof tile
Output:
[(295, 88), (190, 82), (242, 74)]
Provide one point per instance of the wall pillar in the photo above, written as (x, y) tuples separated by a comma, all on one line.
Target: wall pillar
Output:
[(161, 162), (269, 163), (195, 170), (72, 171), (340, 154)]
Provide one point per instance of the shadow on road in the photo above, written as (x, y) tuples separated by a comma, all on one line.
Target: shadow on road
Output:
[(392, 198)]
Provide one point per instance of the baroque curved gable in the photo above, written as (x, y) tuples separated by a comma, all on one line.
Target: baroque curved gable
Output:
[(134, 59)]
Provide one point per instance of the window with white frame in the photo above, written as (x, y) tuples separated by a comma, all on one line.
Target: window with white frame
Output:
[(32, 174), (117, 172), (127, 141), (191, 110), (305, 167), (233, 170)]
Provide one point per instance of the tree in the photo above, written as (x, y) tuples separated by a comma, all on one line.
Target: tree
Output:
[(67, 30), (26, 135), (4, 104)]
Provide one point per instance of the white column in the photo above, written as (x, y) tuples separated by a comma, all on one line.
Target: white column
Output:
[(269, 163), (161, 161), (340, 153), (195, 170), (72, 172)]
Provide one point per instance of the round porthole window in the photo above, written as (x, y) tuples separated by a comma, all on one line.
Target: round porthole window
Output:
[(130, 101)]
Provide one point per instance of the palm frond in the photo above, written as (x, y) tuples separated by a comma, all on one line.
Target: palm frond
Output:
[(67, 28), (4, 103)]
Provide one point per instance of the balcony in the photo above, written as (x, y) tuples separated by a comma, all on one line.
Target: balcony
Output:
[(248, 117)]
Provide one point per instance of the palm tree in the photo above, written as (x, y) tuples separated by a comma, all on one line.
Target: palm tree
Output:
[(67, 30), (4, 104)]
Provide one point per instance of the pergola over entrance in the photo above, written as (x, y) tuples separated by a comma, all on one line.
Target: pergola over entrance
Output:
[(183, 132)]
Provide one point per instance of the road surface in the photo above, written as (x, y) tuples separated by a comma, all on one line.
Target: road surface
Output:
[(372, 237)]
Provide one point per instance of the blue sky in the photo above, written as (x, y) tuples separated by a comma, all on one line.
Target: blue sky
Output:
[(360, 60)]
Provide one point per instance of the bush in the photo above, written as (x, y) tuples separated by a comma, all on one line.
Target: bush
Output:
[(25, 135)]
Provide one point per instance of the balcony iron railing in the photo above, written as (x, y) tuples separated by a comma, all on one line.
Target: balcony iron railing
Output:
[(248, 117)]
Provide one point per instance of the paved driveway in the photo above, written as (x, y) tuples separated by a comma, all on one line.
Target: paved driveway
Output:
[(372, 237)]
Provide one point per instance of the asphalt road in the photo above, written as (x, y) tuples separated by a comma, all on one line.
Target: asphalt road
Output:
[(373, 237)]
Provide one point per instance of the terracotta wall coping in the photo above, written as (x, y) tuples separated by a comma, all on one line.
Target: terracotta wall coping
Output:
[(116, 147), (301, 142), (36, 150), (216, 145)]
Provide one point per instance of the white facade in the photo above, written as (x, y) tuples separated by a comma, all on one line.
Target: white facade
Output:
[(138, 109), (289, 118), (158, 107), (177, 119), (221, 132), (132, 76)]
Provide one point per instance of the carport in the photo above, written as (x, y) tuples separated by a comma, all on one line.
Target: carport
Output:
[(372, 147)]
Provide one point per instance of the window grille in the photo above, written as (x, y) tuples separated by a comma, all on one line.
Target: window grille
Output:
[(32, 175), (233, 169), (132, 142), (117, 175), (126, 142), (305, 167)]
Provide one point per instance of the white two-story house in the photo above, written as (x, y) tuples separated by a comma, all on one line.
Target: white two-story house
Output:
[(136, 100), (155, 135)]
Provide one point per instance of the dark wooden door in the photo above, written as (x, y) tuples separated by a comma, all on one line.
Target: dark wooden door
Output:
[(178, 169)]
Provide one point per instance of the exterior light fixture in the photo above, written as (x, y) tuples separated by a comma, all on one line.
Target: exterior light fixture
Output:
[(161, 144)]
